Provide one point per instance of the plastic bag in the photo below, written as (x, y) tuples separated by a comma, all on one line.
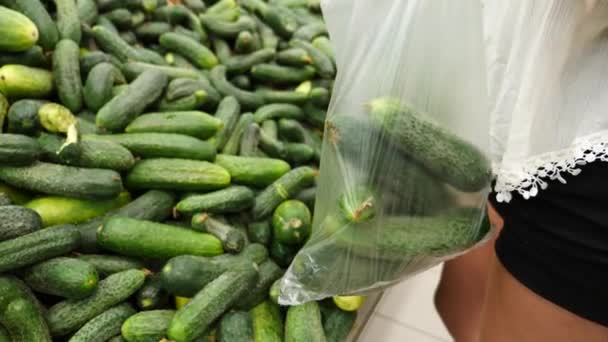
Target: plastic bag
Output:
[(404, 174)]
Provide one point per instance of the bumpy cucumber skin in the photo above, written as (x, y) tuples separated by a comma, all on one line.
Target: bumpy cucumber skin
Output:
[(246, 98), (192, 123), (267, 323), (233, 144), (269, 272), (68, 21), (197, 53), (19, 81), (68, 316), (253, 171), (152, 30), (105, 325), (66, 72), (64, 180), (291, 222), (87, 11), (311, 331), (233, 239), (177, 174), (122, 109), (33, 57), (141, 239), (337, 324), (112, 43), (152, 295), (235, 326), (147, 325), (106, 265), (64, 277), (17, 149), (310, 31), (228, 111), (37, 246), (133, 69), (250, 140), (17, 221), (17, 32), (23, 320), (48, 35), (232, 199), (98, 87), (322, 63), (278, 111), (243, 63)]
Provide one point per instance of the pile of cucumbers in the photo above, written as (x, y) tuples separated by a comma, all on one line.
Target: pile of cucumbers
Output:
[(157, 166)]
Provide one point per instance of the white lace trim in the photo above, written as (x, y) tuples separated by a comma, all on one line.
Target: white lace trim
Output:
[(527, 176)]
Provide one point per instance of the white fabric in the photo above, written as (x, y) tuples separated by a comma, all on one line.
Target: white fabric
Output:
[(547, 63)]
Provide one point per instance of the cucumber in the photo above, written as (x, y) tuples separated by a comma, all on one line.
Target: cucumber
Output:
[(5, 200), (147, 326), (121, 17), (308, 197), (232, 199), (87, 11), (282, 189), (107, 24), (337, 324), (272, 146), (222, 49), (98, 87), (314, 115), (233, 240), (247, 99), (250, 141), (34, 57), (243, 63), (12, 288), (68, 21), (17, 149), (147, 55), (320, 97), (221, 6), (271, 129), (197, 53), (311, 331), (37, 246), (19, 81), (48, 35), (292, 130), (172, 13), (281, 253), (4, 335), (112, 43), (56, 210), (211, 302), (69, 315), (291, 222), (17, 221), (105, 325), (151, 30), (23, 321), (187, 103), (64, 180), (16, 196), (185, 275), (267, 35), (63, 277), (149, 239), (122, 109), (281, 74), (298, 153), (187, 32), (228, 112), (195, 5), (322, 43), (281, 20), (260, 232), (177, 174), (294, 57), (322, 63), (235, 326), (241, 81), (17, 32), (181, 87), (269, 272), (193, 123), (253, 171), (178, 61), (136, 68), (152, 296), (310, 31), (442, 153), (244, 42), (234, 142), (90, 59), (227, 29), (66, 73), (106, 265), (267, 323)]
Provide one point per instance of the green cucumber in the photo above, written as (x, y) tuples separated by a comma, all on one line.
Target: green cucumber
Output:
[(191, 102), (282, 189), (269, 272), (442, 153), (320, 97), (179, 61), (260, 232), (227, 29), (254, 171), (148, 55), (228, 112), (87, 11), (98, 87), (151, 30), (105, 325), (17, 32), (197, 53), (152, 296), (5, 200), (267, 323), (171, 13), (291, 222), (177, 174), (233, 240), (107, 24), (310, 31), (243, 63), (195, 5), (70, 315), (221, 6), (274, 292), (193, 123), (280, 74), (23, 321), (187, 32), (106, 265), (211, 302), (4, 337), (338, 324), (222, 49), (314, 115), (147, 326), (136, 68), (111, 42), (281, 20), (234, 142), (122, 109), (244, 42), (17, 221), (90, 59), (267, 35), (281, 253), (298, 153), (48, 35), (19, 81), (250, 141), (308, 196), (121, 17), (311, 331), (37, 246), (272, 146), (235, 326), (34, 57), (63, 277), (17, 149), (294, 57), (149, 239), (56, 210), (64, 180), (181, 87), (241, 81), (231, 199), (271, 129), (12, 288), (68, 21), (292, 130), (278, 110), (246, 98), (322, 43), (322, 63), (16, 196), (185, 275)]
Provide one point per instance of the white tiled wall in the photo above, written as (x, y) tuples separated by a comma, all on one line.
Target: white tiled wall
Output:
[(406, 313)]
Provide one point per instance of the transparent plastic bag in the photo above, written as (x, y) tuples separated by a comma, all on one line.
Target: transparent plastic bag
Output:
[(404, 174)]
